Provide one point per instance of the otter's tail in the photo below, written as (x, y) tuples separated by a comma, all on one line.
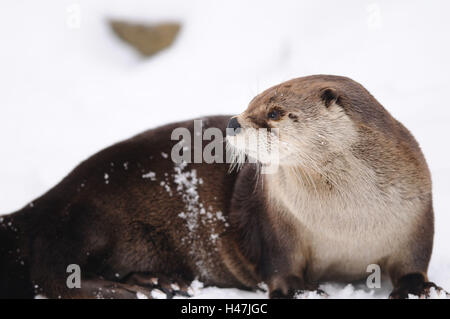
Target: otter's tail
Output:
[(14, 275)]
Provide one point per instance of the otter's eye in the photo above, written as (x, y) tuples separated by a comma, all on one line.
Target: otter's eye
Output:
[(273, 115)]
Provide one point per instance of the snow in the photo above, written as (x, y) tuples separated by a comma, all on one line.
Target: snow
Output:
[(198, 291), (70, 90), (196, 215), (157, 294), (151, 175)]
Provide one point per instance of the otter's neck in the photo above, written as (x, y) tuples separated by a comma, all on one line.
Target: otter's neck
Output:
[(297, 178), (337, 186)]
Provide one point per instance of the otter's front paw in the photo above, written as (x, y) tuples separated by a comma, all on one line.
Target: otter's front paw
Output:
[(285, 287), (293, 287), (279, 294), (414, 285), (298, 294)]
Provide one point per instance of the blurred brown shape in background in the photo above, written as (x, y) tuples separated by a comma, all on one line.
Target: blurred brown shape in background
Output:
[(148, 39)]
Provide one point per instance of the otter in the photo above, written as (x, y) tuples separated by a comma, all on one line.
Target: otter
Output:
[(351, 189)]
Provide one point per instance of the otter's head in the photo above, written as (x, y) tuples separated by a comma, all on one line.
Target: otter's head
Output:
[(306, 120)]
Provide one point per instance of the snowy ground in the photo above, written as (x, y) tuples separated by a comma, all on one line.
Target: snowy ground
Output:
[(67, 92)]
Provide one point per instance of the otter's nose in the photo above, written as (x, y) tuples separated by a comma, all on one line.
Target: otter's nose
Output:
[(233, 127)]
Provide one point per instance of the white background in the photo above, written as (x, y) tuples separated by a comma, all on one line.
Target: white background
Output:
[(67, 91)]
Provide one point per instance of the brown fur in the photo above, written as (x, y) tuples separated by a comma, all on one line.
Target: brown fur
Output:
[(353, 185), (123, 228)]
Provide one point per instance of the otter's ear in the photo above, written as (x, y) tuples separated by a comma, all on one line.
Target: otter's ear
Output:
[(329, 95)]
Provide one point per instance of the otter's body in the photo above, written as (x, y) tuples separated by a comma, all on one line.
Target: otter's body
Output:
[(128, 209), (352, 189)]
